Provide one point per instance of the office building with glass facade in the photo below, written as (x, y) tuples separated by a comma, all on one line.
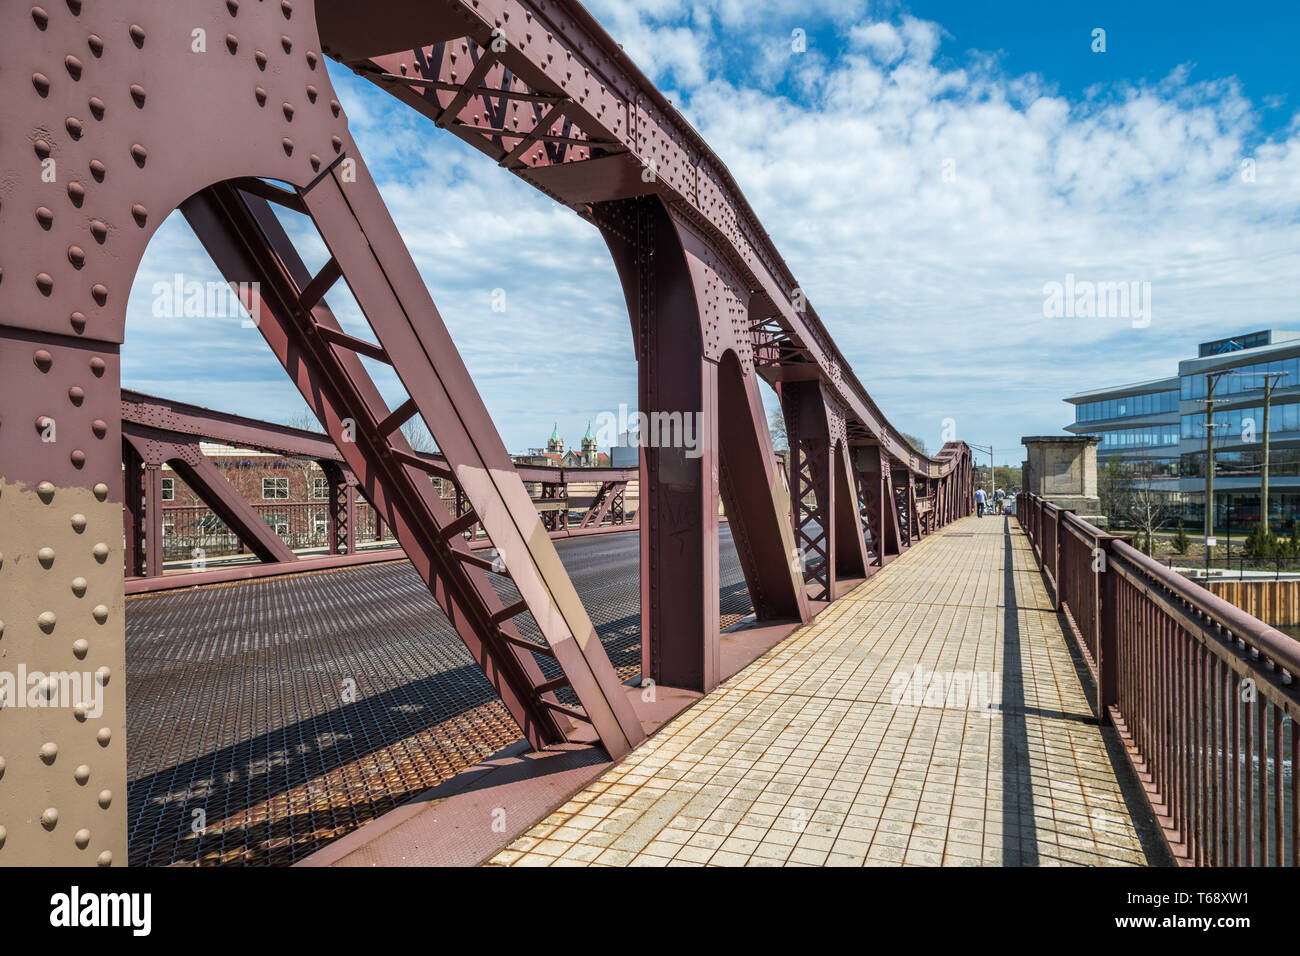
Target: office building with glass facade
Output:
[(1159, 427)]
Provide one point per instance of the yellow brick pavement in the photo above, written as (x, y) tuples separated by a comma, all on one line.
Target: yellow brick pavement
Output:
[(931, 717)]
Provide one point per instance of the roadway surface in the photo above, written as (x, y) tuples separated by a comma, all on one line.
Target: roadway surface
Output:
[(266, 718)]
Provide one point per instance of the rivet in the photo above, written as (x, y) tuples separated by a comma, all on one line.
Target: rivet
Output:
[(104, 736), (260, 58), (99, 427), (77, 193), (232, 42), (232, 6), (105, 858), (2, 773), (335, 108), (42, 148), (137, 34), (75, 7), (288, 110), (287, 44), (336, 143), (101, 677), (101, 491), (77, 256), (287, 8), (137, 94), (100, 614), (97, 366), (43, 360), (139, 154), (41, 82), (105, 798), (45, 282), (315, 161), (99, 229), (41, 18), (78, 458), (80, 647), (288, 146), (311, 93), (81, 774), (46, 491), (3, 833), (260, 94), (98, 170), (46, 621), (100, 551), (99, 292), (76, 395), (73, 65), (46, 557), (44, 216), (79, 711), (74, 126), (50, 818), (311, 60), (79, 586), (43, 423), (139, 214), (49, 751), (96, 44), (81, 838)]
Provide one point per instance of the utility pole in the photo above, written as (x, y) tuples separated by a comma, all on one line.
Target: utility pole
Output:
[(1211, 380), (1270, 382)]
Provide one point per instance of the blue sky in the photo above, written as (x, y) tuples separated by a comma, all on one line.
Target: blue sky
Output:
[(926, 168)]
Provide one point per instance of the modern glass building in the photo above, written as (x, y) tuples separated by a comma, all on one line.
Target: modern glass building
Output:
[(1160, 426)]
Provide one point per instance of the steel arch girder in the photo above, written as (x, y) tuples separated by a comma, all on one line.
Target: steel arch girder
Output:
[(688, 322)]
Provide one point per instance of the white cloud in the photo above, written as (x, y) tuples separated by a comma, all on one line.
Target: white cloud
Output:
[(931, 285)]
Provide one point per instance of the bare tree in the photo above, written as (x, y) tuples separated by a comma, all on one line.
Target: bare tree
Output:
[(776, 425), (1146, 505), (418, 437)]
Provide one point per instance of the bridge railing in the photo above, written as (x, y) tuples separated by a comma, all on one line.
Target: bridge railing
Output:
[(1202, 695)]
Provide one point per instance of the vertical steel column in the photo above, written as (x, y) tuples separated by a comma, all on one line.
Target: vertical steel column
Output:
[(849, 543), (812, 457), (342, 508), (133, 509)]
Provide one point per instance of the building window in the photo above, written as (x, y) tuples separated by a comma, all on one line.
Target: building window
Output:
[(275, 488), (320, 488), (169, 489), (279, 522)]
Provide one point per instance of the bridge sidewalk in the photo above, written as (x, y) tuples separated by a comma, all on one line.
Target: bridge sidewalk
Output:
[(839, 747)]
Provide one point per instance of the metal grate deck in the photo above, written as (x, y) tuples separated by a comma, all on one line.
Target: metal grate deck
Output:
[(266, 718)]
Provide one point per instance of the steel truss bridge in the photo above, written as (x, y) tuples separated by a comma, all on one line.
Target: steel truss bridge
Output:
[(110, 121)]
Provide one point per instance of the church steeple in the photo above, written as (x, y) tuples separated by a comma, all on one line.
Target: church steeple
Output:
[(589, 454), (555, 444)]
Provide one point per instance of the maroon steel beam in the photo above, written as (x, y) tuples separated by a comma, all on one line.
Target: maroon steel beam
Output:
[(487, 70), (709, 443), (205, 479), (183, 418), (250, 245)]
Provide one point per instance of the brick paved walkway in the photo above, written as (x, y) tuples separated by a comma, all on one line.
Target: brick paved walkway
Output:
[(933, 716)]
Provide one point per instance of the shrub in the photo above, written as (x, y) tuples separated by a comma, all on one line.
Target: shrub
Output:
[(1181, 543)]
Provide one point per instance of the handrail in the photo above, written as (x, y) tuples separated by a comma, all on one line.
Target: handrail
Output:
[(1192, 684)]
